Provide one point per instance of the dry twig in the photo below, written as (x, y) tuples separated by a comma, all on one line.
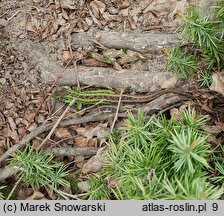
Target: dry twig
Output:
[(56, 124), (149, 3), (70, 195), (71, 151), (116, 114), (15, 186)]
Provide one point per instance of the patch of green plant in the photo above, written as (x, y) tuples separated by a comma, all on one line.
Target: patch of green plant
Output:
[(1, 193), (125, 50), (157, 158), (38, 169), (182, 63), (206, 79), (205, 37), (192, 120), (88, 55), (115, 135), (73, 181), (98, 189), (148, 188), (206, 34), (191, 188), (218, 158), (219, 10), (189, 150)]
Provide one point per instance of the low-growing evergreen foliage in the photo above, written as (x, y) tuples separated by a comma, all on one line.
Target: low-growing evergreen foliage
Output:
[(204, 52), (157, 158)]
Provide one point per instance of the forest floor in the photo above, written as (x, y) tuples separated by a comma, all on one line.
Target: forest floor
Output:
[(49, 46)]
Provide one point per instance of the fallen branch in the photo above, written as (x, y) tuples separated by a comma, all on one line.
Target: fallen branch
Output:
[(141, 42), (66, 195), (47, 127), (69, 151), (164, 101), (136, 80), (156, 105)]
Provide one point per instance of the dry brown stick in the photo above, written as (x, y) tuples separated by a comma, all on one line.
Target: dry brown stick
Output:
[(150, 2), (61, 194), (56, 124), (70, 195), (42, 102), (14, 15), (15, 186), (2, 15), (99, 44), (52, 116), (116, 114), (54, 113), (43, 128), (71, 151)]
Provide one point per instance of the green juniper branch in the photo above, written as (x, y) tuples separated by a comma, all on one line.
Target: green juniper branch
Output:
[(205, 52), (157, 159), (205, 33), (38, 169), (1, 194)]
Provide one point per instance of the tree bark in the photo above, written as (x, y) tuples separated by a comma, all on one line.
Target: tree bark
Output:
[(141, 42)]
